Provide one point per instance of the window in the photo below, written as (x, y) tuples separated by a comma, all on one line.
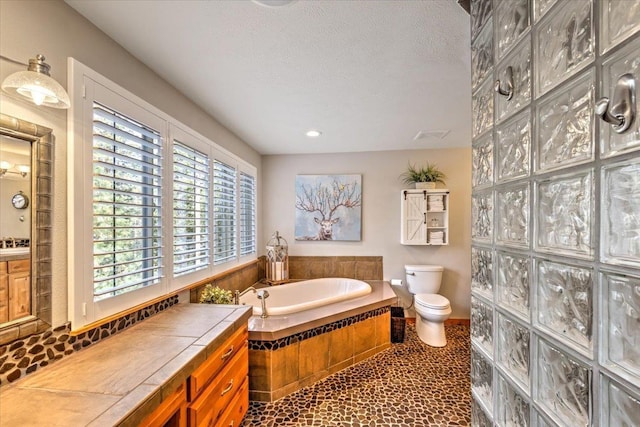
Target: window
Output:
[(190, 209), (224, 212), (247, 214), (153, 205)]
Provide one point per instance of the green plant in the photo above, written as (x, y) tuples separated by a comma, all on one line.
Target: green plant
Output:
[(215, 295), (427, 173)]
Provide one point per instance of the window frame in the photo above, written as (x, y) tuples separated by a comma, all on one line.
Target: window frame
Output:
[(85, 87)]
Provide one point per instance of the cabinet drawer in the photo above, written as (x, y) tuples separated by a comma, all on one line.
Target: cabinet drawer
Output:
[(209, 406), (234, 414), (214, 363), (171, 412), (18, 266)]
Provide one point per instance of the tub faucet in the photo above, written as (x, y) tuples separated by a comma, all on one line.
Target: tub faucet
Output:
[(238, 294), (262, 296)]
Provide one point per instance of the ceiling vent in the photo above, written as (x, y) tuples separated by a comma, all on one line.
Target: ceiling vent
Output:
[(433, 134)]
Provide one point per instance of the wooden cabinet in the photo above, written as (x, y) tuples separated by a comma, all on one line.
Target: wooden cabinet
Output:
[(424, 217), (218, 389), (15, 289), (171, 413)]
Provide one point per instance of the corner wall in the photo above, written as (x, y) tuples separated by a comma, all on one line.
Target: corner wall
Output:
[(381, 189)]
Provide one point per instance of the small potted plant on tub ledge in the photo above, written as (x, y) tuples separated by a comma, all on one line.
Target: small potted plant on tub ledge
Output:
[(424, 177)]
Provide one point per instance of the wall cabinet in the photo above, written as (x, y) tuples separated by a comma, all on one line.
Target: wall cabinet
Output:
[(424, 217)]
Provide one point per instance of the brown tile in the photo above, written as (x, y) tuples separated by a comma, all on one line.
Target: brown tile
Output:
[(383, 329), (284, 366), (340, 345), (364, 336), (314, 355), (260, 370)]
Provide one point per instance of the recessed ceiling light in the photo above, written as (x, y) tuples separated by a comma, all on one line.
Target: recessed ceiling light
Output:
[(274, 3), (313, 133), (424, 134)]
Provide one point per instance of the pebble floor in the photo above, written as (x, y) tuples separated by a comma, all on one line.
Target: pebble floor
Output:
[(410, 384)]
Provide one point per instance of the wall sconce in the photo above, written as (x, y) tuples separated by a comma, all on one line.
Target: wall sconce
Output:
[(36, 84), (5, 167)]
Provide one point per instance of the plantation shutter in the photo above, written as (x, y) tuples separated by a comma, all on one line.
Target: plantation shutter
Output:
[(247, 214), (224, 213), (190, 209), (127, 232)]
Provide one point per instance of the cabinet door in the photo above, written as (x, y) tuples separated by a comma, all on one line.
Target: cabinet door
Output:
[(19, 295), (4, 293), (414, 218)]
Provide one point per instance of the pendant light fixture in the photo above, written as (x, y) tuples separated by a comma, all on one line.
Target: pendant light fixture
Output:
[(37, 85)]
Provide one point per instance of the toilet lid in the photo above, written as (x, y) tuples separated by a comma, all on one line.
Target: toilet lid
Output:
[(432, 301)]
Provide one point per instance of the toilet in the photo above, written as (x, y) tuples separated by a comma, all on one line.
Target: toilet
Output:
[(423, 281)]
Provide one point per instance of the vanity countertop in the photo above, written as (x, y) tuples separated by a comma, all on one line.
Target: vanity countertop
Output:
[(121, 380)]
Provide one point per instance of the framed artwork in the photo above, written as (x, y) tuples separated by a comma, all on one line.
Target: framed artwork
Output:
[(329, 207)]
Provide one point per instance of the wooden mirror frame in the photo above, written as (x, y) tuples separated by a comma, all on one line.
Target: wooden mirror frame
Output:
[(41, 211)]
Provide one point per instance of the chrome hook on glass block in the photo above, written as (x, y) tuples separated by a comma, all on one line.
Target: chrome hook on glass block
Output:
[(498, 85), (623, 111)]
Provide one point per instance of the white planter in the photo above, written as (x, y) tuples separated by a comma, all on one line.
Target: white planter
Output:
[(425, 185)]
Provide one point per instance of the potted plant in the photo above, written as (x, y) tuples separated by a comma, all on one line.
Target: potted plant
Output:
[(423, 177), (215, 295)]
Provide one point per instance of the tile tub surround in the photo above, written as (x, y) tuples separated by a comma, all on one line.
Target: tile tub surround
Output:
[(293, 351), (408, 385), (352, 267), (122, 379)]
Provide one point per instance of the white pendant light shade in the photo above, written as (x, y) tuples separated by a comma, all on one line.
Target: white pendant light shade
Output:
[(36, 85)]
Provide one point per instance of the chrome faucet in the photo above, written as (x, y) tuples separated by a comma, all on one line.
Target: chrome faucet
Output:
[(262, 296), (238, 294)]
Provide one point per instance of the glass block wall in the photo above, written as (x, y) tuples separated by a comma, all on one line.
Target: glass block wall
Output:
[(555, 305)]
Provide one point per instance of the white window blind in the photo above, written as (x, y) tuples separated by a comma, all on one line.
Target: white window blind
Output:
[(190, 209), (247, 214), (127, 235), (224, 213)]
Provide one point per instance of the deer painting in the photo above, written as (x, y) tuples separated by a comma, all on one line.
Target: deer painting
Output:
[(327, 201)]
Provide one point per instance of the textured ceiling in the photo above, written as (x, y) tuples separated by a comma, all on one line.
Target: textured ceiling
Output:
[(368, 74)]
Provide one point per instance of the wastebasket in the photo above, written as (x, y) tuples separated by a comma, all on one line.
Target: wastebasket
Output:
[(397, 324)]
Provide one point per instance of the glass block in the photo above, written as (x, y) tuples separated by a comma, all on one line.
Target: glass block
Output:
[(513, 147), (542, 422), (482, 111), (513, 216), (520, 62), (512, 19), (478, 417), (627, 60), (481, 378), (563, 388), (482, 214), (564, 214), (620, 19), (564, 43), (481, 56), (513, 409), (480, 13), (482, 162), (513, 282), (565, 125), (564, 302), (623, 408), (541, 7), (621, 325), (620, 222), (513, 350), (482, 271), (482, 324)]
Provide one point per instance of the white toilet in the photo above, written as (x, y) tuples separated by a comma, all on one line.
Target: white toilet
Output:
[(423, 281)]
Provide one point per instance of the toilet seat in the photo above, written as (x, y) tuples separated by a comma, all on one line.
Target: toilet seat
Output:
[(432, 301)]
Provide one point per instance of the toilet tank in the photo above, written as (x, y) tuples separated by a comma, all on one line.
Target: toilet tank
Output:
[(423, 279)]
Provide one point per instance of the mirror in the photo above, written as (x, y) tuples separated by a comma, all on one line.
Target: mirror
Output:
[(26, 172)]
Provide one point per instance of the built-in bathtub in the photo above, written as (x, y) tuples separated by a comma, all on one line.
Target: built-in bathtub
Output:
[(307, 294), (292, 350)]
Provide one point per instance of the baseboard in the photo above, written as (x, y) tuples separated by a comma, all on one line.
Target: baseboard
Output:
[(448, 322)]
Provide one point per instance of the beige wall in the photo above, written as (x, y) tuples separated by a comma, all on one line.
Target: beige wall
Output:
[(380, 212), (55, 30)]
